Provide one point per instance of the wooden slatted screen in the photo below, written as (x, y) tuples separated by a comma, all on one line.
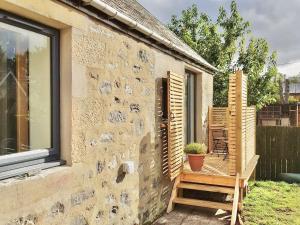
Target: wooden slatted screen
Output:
[(250, 134), (241, 107), (242, 122), (219, 115), (175, 123)]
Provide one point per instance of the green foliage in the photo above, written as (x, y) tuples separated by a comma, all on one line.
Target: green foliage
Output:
[(195, 148), (292, 100), (270, 203), (222, 43)]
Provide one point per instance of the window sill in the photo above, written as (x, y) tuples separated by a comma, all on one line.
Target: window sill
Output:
[(30, 170)]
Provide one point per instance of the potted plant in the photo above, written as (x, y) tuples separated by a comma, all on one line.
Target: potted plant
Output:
[(196, 154)]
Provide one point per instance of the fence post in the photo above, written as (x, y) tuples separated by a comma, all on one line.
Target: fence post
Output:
[(241, 107)]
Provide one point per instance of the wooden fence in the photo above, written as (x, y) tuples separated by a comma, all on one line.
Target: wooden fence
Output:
[(279, 150)]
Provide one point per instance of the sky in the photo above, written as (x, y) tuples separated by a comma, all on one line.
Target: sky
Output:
[(275, 20)]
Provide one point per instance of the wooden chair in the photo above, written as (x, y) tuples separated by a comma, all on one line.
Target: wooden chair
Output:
[(220, 142)]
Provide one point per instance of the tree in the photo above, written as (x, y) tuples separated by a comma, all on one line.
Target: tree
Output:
[(223, 44)]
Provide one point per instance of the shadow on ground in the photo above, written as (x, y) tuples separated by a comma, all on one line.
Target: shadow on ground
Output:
[(185, 215)]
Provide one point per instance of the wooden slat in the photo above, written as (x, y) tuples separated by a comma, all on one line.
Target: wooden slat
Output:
[(227, 181), (235, 200), (202, 203), (210, 188)]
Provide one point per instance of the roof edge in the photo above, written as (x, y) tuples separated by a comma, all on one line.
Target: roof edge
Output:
[(110, 11)]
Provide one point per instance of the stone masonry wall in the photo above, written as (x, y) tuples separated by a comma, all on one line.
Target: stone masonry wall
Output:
[(115, 117)]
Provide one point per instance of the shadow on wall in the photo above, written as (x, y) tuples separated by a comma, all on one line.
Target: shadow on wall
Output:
[(154, 185)]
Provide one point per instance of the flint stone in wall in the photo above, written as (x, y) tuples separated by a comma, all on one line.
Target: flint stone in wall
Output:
[(111, 66), (146, 91), (79, 197), (117, 100), (110, 199), (115, 209), (134, 108), (117, 117), (124, 198), (90, 207), (99, 217), (57, 208), (136, 68), (128, 89), (105, 87), (94, 76), (100, 166), (117, 84), (106, 137), (93, 142), (143, 56), (139, 127), (113, 163), (27, 220), (104, 184), (80, 220)]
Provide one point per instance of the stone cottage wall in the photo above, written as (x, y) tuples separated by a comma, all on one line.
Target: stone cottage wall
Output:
[(111, 93)]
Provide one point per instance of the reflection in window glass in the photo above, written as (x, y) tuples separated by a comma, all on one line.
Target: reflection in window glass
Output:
[(25, 95)]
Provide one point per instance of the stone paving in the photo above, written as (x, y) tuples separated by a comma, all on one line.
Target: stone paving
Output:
[(185, 215)]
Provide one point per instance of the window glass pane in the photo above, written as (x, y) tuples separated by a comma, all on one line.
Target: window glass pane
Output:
[(25, 95), (190, 105)]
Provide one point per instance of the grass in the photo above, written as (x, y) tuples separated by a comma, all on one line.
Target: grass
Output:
[(271, 203)]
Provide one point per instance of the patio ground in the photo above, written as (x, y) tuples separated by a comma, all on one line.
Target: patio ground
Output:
[(186, 215)]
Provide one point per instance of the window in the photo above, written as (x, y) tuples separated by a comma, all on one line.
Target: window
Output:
[(29, 95), (190, 105)]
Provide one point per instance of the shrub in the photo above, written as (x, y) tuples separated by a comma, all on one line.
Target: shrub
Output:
[(195, 148)]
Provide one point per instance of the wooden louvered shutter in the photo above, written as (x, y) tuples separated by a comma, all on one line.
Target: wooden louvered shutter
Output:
[(175, 123)]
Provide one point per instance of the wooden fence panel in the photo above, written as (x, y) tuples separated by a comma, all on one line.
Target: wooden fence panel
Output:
[(279, 150)]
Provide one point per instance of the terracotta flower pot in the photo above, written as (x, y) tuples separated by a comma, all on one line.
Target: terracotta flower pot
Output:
[(196, 161)]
